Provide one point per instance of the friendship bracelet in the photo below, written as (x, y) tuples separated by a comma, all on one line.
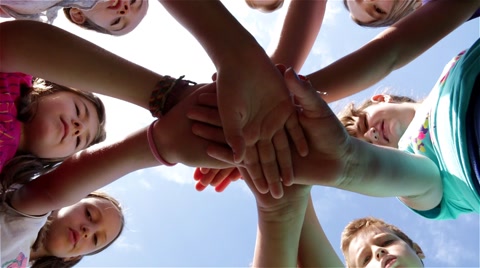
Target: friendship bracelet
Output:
[(153, 148), (163, 95)]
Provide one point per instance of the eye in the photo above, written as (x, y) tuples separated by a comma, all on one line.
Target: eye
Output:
[(78, 142), (365, 122), (115, 22), (132, 2), (379, 10), (95, 239), (89, 215), (387, 242), (77, 110), (367, 260)]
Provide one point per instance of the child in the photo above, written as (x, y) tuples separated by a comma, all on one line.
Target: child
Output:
[(371, 242), (115, 17), (43, 123), (433, 173), (44, 235), (380, 13)]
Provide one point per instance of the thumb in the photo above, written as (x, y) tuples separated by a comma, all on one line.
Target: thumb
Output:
[(305, 94)]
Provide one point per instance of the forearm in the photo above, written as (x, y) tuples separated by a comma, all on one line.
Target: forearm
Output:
[(278, 236), (315, 250), (300, 29), (221, 35), (53, 54), (393, 48), (375, 171), (83, 173)]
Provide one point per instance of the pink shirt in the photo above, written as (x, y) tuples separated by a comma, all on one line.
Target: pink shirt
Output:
[(10, 127)]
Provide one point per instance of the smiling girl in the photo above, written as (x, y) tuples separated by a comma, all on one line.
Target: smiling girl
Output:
[(115, 17)]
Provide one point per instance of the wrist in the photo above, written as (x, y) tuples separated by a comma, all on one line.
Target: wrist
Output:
[(167, 93)]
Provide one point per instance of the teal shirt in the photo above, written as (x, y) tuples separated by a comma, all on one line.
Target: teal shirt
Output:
[(438, 132)]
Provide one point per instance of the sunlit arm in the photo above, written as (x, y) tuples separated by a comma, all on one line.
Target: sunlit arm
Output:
[(300, 29), (393, 48)]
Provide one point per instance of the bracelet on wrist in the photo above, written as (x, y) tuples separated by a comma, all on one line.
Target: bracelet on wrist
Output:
[(165, 94), (153, 147)]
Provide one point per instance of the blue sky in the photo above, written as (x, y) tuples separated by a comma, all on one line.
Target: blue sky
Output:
[(169, 224)]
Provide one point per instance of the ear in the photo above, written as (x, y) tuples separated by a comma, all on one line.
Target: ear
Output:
[(419, 251), (76, 258), (77, 16), (381, 98)]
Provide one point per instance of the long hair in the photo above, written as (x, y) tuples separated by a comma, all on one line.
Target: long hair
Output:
[(24, 166), (52, 261)]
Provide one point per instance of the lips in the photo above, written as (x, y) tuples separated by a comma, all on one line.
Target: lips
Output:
[(388, 261), (383, 132), (65, 129), (74, 237)]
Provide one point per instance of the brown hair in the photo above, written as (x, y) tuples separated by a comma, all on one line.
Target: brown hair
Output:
[(53, 261), (350, 112), (24, 166), (400, 10), (354, 228)]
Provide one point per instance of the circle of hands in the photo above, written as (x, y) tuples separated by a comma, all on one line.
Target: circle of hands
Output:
[(313, 123)]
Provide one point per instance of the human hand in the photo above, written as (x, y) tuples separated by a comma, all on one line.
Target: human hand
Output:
[(218, 178)]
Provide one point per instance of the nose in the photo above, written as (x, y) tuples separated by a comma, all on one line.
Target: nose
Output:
[(380, 253), (372, 134), (78, 127), (124, 8)]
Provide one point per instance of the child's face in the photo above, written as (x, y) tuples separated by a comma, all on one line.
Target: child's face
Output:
[(385, 123), (370, 10), (118, 16), (83, 228), (64, 123), (380, 247)]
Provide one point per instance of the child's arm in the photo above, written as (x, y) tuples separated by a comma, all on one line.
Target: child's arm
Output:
[(56, 55), (96, 167), (300, 29), (279, 225), (338, 160), (315, 250), (251, 92), (393, 48)]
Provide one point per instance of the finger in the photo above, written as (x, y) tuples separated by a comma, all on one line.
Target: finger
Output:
[(222, 186), (296, 134), (252, 165), (284, 157), (204, 114), (269, 166), (232, 129), (208, 132), (204, 170), (197, 174), (208, 99), (207, 178), (304, 92), (214, 76), (224, 174), (200, 187), (281, 68), (221, 153)]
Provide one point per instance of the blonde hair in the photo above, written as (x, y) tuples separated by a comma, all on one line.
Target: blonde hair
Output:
[(355, 227)]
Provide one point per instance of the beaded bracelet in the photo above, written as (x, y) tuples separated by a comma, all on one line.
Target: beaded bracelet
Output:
[(163, 96), (153, 148)]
